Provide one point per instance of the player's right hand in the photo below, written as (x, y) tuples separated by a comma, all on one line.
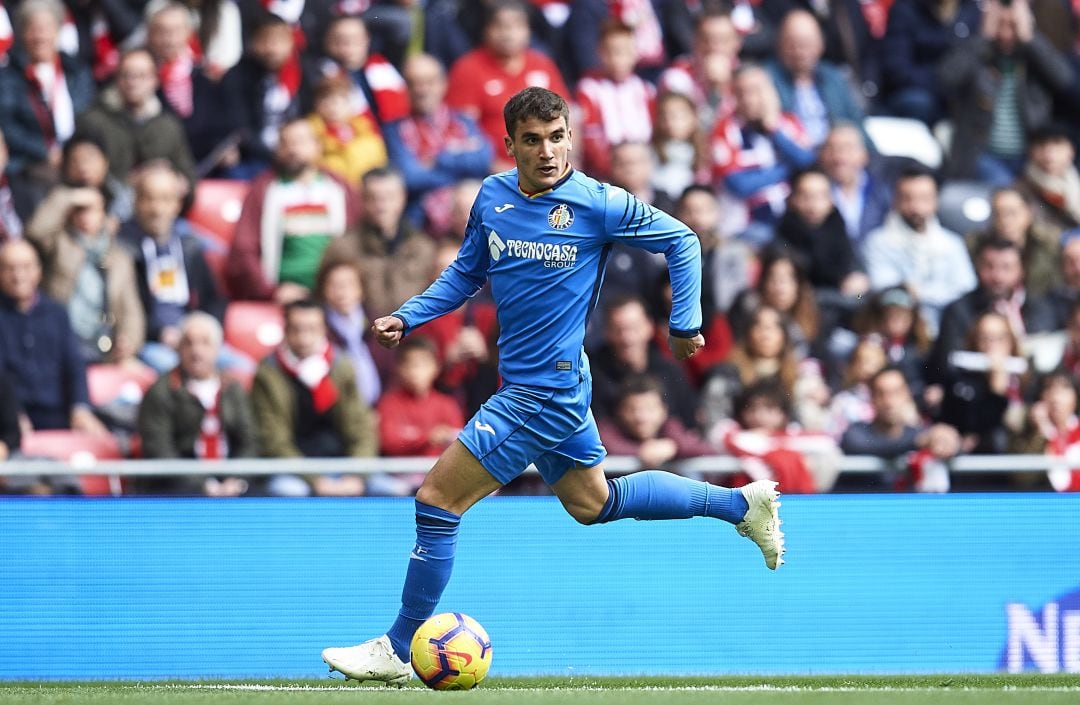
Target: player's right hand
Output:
[(685, 348), (388, 331)]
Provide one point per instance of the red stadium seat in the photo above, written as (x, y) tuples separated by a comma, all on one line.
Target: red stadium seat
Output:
[(107, 383), (80, 448), (217, 207), (253, 327)]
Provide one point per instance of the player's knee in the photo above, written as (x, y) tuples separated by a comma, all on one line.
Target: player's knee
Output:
[(585, 510)]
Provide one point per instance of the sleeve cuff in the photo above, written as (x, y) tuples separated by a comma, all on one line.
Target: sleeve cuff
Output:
[(690, 333)]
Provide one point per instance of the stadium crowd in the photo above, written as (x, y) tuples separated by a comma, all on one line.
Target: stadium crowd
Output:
[(849, 306)]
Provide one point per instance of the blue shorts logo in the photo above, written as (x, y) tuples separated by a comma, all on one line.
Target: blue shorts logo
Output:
[(561, 217)]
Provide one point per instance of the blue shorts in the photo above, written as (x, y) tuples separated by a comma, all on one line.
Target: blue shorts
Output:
[(551, 428)]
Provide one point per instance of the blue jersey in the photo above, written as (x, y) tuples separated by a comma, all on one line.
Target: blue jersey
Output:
[(545, 255)]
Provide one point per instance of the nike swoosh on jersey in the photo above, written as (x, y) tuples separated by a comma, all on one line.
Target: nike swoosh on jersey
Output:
[(504, 207), (484, 427)]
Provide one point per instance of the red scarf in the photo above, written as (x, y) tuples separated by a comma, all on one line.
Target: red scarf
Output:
[(211, 443), (288, 76), (324, 393), (41, 104), (175, 79), (7, 34)]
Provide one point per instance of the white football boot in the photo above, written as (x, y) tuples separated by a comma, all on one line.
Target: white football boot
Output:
[(761, 523), (374, 660)]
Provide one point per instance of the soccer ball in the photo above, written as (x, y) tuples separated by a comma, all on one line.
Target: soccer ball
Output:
[(451, 651)]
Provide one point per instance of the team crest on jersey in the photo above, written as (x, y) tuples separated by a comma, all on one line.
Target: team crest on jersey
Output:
[(561, 217)]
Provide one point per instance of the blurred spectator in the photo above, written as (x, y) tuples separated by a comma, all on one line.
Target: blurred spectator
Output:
[(628, 350), (218, 31), (189, 86), (194, 412), (434, 147), (983, 388), (350, 142), (810, 88), (83, 165), (679, 147), (1065, 296), (726, 262), (641, 427), (378, 89), (1070, 357), (306, 405), (762, 435), (338, 286), (782, 285), (263, 92), (292, 212), (414, 418), (1002, 83), (852, 404), (401, 29), (93, 276), (7, 34), (396, 257), (715, 329), (10, 432), (41, 93), (895, 434), (306, 19), (756, 149), (1012, 219), (705, 76), (813, 228), (912, 248), (130, 119), (756, 23), (615, 104), (891, 318), (173, 276), (660, 29), (484, 79), (11, 225), (39, 350), (1053, 428), (852, 41), (1000, 289), (1051, 181), (919, 34), (763, 351), (631, 168), (862, 197), (462, 196)]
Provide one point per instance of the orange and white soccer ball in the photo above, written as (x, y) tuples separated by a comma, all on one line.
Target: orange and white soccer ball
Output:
[(451, 651)]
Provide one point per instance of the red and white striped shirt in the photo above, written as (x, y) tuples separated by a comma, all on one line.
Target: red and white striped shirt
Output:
[(735, 148), (613, 113)]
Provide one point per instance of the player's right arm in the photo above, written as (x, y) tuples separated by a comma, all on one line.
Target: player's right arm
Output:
[(458, 282)]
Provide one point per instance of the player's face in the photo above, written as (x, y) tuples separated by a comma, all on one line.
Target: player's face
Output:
[(541, 150)]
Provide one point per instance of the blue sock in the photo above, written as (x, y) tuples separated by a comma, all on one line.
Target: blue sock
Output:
[(430, 565), (655, 494)]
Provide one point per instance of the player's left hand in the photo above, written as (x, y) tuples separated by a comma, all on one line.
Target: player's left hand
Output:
[(388, 331), (685, 348)]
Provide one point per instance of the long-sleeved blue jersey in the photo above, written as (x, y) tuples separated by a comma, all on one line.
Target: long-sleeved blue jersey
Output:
[(545, 255)]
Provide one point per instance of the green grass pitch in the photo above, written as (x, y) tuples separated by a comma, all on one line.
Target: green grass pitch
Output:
[(787, 690)]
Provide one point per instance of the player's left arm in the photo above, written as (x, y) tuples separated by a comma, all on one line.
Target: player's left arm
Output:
[(632, 222)]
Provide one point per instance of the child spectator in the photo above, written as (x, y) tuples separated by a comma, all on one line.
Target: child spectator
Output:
[(1053, 428), (762, 434), (350, 142), (642, 427), (852, 403), (414, 418), (616, 105), (680, 151)]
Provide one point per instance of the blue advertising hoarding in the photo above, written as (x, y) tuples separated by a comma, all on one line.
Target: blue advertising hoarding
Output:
[(156, 588)]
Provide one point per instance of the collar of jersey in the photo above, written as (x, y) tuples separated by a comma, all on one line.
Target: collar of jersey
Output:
[(557, 184)]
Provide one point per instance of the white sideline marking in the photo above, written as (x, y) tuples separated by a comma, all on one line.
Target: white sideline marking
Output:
[(649, 688)]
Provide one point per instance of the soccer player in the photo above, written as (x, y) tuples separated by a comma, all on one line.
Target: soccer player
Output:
[(542, 233)]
